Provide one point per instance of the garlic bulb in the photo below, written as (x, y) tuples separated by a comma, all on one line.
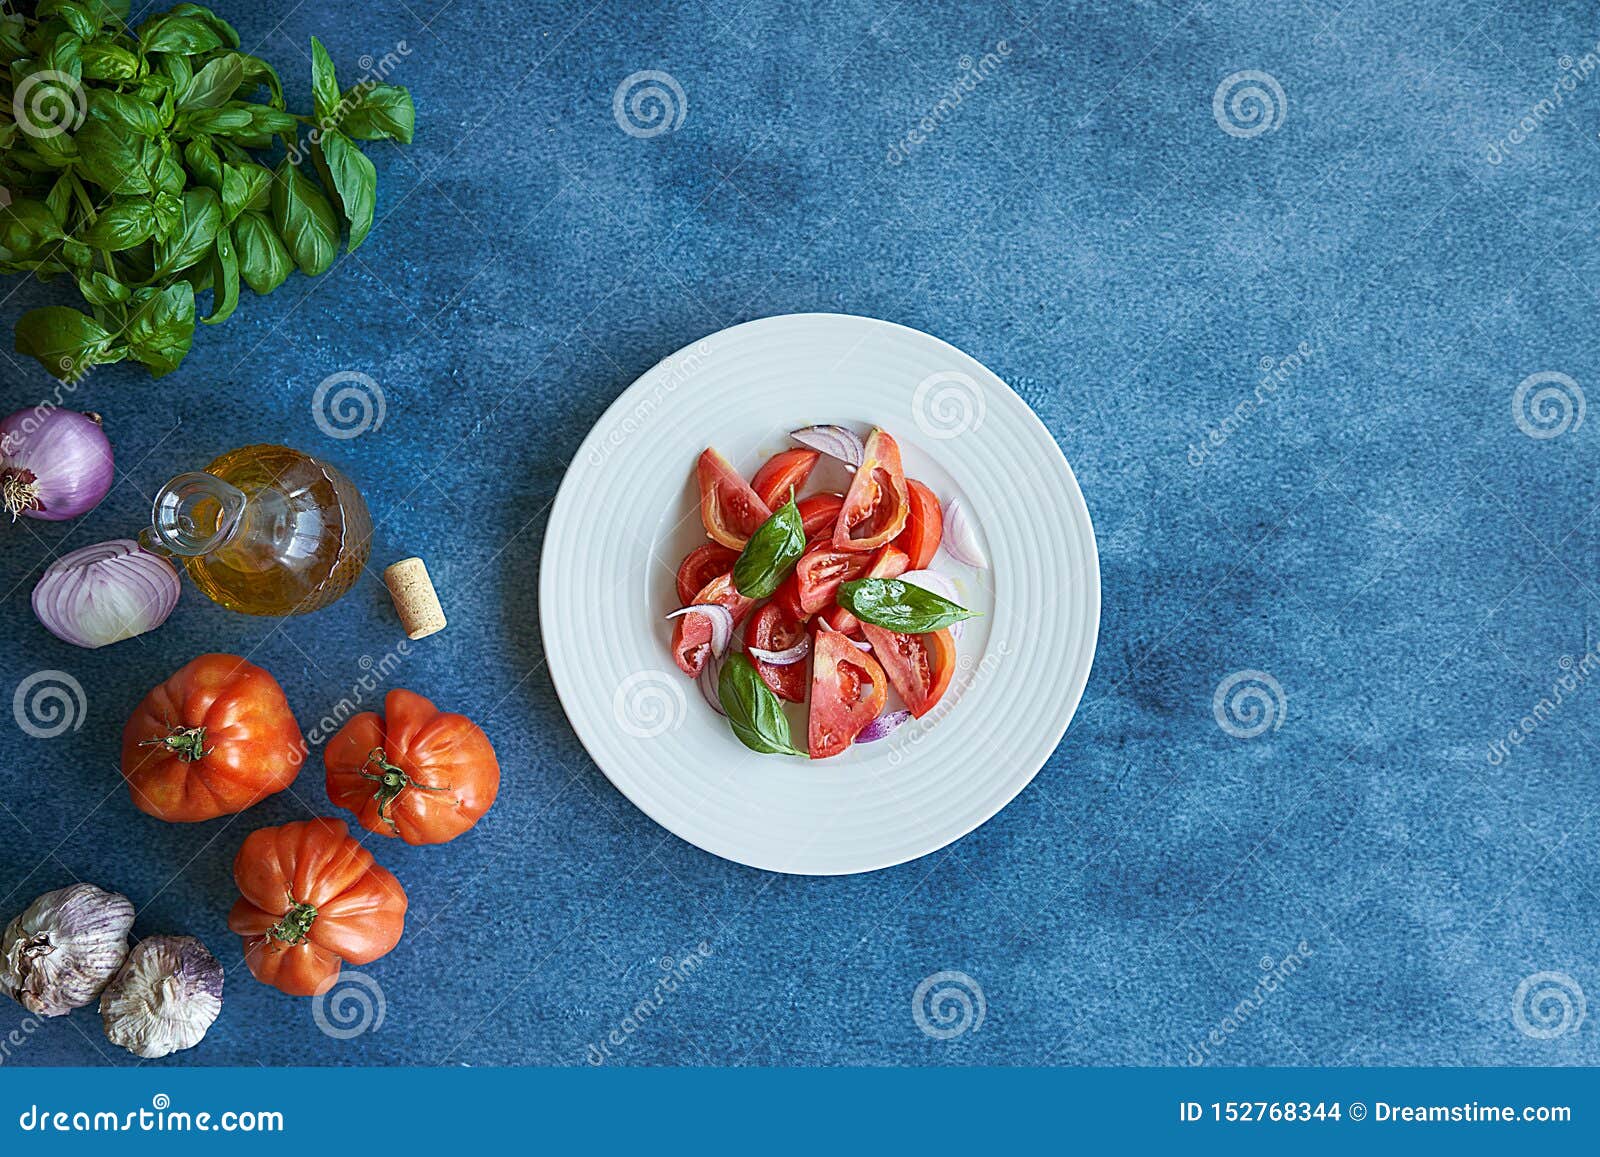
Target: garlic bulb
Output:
[(58, 954), (164, 998)]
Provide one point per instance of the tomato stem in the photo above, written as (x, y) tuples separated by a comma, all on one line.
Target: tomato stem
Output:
[(296, 923), (391, 781), (187, 743)]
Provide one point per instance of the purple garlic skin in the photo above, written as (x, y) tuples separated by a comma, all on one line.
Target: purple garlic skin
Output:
[(63, 949), (164, 998)]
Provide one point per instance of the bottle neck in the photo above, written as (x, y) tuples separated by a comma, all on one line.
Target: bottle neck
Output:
[(194, 514)]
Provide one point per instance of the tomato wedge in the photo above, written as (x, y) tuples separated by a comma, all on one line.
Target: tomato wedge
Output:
[(787, 596), (877, 504), (703, 564), (784, 472), (919, 666), (819, 512), (730, 509), (924, 526), (773, 629), (691, 634), (890, 562), (848, 691), (820, 571)]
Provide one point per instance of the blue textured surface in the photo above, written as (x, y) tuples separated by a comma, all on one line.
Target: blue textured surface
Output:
[(1379, 535)]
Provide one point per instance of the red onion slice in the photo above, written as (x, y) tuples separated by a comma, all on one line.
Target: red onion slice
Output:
[(721, 623), (834, 441), (961, 537), (882, 726), (939, 584), (708, 681), (784, 657)]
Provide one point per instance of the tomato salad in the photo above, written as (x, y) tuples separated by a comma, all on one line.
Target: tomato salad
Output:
[(840, 580)]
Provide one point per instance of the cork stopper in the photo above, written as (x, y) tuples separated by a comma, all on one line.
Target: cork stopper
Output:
[(415, 600)]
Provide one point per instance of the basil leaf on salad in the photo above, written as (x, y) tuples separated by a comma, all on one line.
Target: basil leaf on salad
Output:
[(899, 606), (753, 710), (771, 553)]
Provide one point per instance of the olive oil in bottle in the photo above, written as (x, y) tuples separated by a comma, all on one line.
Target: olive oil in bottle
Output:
[(264, 530)]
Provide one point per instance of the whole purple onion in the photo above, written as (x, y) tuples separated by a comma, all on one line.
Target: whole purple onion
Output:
[(55, 464)]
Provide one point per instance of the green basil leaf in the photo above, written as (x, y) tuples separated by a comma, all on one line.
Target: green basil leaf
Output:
[(251, 124), (753, 710), (379, 112), (192, 240), (55, 152), (26, 227), (203, 14), (305, 220), (771, 553), (121, 226), (101, 289), (324, 88), (116, 158), (59, 199), (224, 279), (201, 157), (83, 19), (108, 62), (263, 261), (169, 215), (167, 176), (11, 37), (135, 112), (161, 326), (899, 606), (353, 178), (214, 84), (179, 35), (259, 72), (65, 341)]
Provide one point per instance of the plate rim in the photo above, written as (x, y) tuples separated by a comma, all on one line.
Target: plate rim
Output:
[(620, 404)]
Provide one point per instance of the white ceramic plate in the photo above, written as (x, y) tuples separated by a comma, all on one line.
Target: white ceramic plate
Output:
[(628, 512)]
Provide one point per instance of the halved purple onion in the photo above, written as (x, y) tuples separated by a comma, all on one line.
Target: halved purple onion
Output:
[(834, 441), (101, 594), (960, 536), (721, 623), (708, 679), (784, 657), (862, 644), (882, 726)]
